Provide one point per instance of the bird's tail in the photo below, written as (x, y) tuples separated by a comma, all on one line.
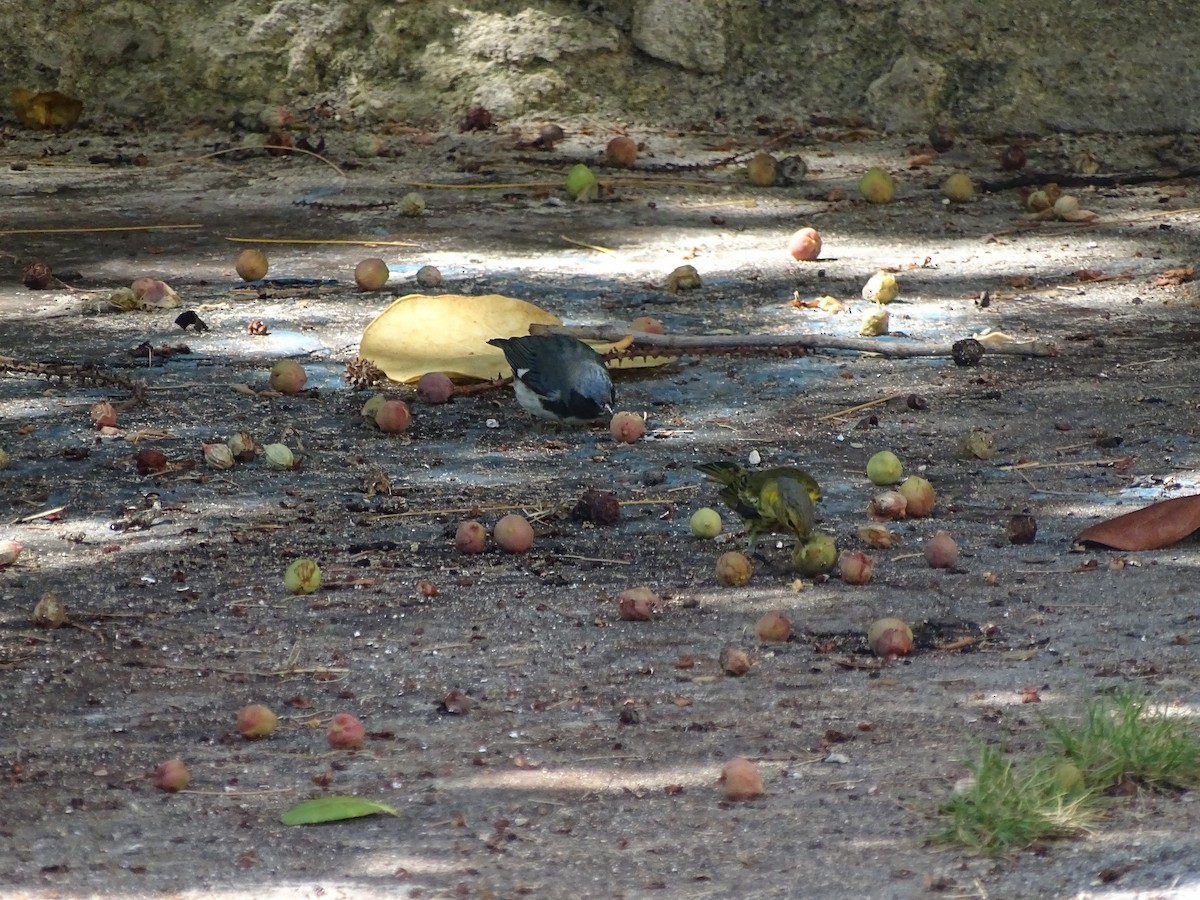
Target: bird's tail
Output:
[(724, 472)]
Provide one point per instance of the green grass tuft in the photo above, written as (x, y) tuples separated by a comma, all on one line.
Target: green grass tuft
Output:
[(1061, 793), (1122, 741)]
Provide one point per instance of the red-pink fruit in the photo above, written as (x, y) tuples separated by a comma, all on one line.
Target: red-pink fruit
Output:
[(855, 567), (648, 325), (9, 551), (627, 427), (513, 534), (471, 537), (346, 732), (773, 626), (256, 721), (435, 387), (920, 496), (288, 376), (890, 637), (152, 290), (393, 416), (941, 552), (805, 245), (621, 151), (371, 274), (171, 776), (741, 780), (637, 604)]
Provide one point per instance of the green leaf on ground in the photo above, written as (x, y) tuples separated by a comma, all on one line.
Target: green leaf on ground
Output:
[(333, 809)]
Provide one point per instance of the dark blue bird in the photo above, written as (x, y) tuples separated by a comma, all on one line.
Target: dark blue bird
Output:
[(558, 377)]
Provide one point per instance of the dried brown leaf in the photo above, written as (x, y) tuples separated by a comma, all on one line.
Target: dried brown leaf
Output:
[(1174, 277), (1150, 528)]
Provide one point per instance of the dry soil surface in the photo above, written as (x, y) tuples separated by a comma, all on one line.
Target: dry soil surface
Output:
[(580, 754)]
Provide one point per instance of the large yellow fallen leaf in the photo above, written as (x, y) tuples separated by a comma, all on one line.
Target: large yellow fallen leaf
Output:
[(448, 333)]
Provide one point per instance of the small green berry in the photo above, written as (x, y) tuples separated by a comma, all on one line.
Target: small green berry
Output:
[(705, 523), (884, 468), (303, 576)]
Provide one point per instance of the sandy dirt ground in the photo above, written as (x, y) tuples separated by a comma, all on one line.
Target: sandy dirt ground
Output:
[(584, 756)]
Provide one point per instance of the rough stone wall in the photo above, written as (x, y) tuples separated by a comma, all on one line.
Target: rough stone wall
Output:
[(1010, 66)]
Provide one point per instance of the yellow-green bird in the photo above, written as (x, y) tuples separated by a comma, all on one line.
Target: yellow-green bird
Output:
[(768, 501)]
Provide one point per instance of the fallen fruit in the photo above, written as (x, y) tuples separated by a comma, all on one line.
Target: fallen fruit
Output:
[(816, 556), (288, 376), (4, 459), (581, 183), (9, 551), (104, 414), (647, 324), (219, 456), (150, 461), (890, 637), (513, 533), (346, 732), (371, 274), (393, 417), (875, 323), (762, 170), (256, 721), (740, 779), (734, 661), (279, 456), (470, 537), (637, 604), (302, 576), (429, 277), (977, 445), (733, 568), (773, 627), (920, 495), (884, 468), (627, 427), (683, 278), (242, 446), (889, 505), (958, 188), (1068, 777), (941, 552), (941, 138), (154, 292), (855, 567), (877, 537), (435, 387), (877, 186), (251, 265), (621, 151), (1021, 529), (49, 611), (171, 776), (705, 523), (597, 507), (881, 288), (805, 245), (1012, 158), (412, 205), (372, 406)]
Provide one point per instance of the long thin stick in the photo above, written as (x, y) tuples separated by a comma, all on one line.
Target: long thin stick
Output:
[(665, 344)]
